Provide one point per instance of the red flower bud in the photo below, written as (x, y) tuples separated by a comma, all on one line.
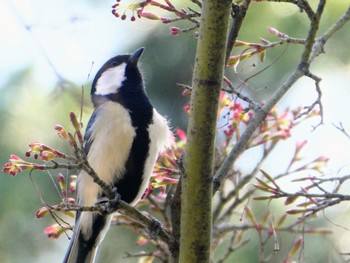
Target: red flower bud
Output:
[(175, 31)]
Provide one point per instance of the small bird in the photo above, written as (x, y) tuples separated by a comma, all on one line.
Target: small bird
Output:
[(122, 141)]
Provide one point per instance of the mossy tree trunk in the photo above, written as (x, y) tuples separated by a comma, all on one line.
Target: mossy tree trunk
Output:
[(198, 163)]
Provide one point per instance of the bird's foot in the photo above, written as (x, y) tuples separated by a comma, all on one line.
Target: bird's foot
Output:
[(109, 205), (154, 228)]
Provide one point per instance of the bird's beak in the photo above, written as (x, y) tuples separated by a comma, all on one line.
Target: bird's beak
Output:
[(134, 57)]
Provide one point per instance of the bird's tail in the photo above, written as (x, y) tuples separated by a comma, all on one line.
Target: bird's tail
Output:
[(89, 231)]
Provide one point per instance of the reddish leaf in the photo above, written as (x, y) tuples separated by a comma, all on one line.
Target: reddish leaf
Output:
[(281, 221), (290, 200), (42, 212), (259, 198), (268, 177), (297, 211), (295, 248)]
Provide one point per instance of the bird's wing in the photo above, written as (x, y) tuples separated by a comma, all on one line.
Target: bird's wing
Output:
[(87, 136)]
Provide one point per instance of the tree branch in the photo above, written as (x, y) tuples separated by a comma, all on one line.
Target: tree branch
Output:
[(260, 114), (124, 208)]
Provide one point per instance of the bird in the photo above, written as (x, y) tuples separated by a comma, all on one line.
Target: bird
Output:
[(122, 140)]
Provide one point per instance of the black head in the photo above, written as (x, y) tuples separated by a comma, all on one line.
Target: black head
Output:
[(120, 72)]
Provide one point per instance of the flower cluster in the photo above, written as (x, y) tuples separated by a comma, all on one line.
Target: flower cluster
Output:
[(250, 49), (234, 118), (166, 170), (234, 115), (119, 10), (64, 187), (55, 231), (276, 126), (16, 165), (318, 164), (136, 9), (46, 153)]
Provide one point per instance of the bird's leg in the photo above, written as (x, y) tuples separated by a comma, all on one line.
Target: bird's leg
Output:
[(109, 205), (154, 228)]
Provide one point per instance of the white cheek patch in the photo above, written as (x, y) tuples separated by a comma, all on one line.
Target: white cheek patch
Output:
[(111, 80)]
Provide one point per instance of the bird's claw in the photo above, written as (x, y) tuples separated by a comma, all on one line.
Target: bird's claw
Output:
[(110, 205), (154, 228)]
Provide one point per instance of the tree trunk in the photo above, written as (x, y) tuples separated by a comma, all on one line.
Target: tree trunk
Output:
[(198, 163)]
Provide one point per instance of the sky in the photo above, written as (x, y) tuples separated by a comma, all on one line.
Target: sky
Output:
[(70, 34)]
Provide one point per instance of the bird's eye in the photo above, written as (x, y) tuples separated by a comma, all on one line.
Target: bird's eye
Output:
[(114, 64)]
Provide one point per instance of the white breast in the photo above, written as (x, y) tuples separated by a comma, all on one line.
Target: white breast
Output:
[(112, 137)]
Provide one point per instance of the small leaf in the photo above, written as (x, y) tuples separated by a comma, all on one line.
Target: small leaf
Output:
[(290, 200), (250, 215), (74, 121), (55, 231), (42, 212), (239, 236), (259, 198), (233, 61), (262, 56), (263, 188), (72, 140), (318, 231), (264, 41), (268, 177), (297, 211), (77, 126), (265, 218), (281, 221), (303, 179), (239, 43), (69, 213), (263, 183), (61, 132), (296, 246), (62, 184), (150, 16), (141, 241), (146, 259), (305, 204)]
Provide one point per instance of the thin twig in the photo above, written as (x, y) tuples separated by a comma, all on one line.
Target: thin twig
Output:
[(341, 128), (302, 4), (239, 13), (234, 193), (318, 101)]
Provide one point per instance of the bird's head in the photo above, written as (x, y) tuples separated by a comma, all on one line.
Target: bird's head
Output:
[(119, 74)]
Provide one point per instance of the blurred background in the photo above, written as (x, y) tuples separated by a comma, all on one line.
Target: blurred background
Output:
[(50, 52)]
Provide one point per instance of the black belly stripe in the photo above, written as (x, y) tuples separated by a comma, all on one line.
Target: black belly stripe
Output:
[(133, 97), (129, 185)]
